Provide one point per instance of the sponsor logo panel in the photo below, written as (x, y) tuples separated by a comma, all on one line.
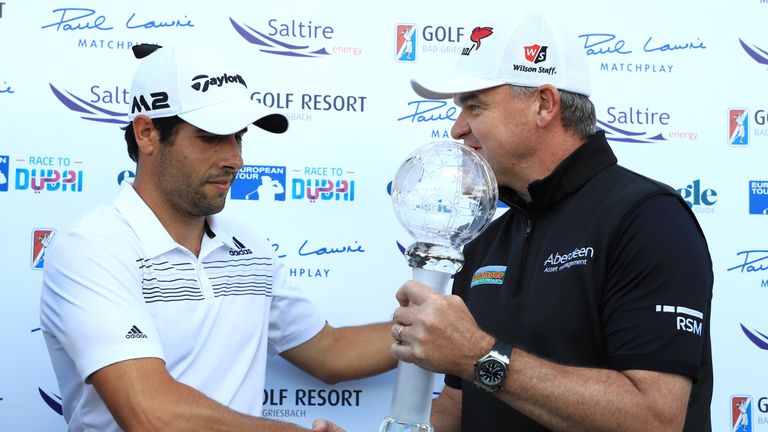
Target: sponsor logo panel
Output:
[(4, 172), (651, 54), (42, 239), (699, 198), (294, 38), (405, 43), (630, 124), (758, 197), (91, 29), (49, 174)]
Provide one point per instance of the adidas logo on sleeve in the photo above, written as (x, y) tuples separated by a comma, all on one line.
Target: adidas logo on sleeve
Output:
[(135, 333)]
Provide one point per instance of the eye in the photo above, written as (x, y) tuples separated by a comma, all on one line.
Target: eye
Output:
[(208, 138)]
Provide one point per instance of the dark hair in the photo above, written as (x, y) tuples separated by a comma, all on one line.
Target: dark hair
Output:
[(166, 126)]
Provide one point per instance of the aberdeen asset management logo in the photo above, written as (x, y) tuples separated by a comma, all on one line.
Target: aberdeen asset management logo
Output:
[(201, 83), (738, 126), (535, 53)]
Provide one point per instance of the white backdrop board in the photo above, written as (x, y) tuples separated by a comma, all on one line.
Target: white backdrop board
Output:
[(680, 88)]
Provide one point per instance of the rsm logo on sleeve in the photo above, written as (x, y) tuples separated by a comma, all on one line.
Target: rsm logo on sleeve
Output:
[(687, 320)]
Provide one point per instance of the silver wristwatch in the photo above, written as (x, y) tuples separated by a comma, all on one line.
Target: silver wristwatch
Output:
[(491, 369)]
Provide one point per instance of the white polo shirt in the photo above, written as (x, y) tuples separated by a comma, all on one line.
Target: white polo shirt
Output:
[(119, 287)]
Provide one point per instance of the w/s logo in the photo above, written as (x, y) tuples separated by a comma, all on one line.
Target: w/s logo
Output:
[(535, 53)]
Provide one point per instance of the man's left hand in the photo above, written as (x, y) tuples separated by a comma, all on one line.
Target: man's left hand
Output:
[(437, 332)]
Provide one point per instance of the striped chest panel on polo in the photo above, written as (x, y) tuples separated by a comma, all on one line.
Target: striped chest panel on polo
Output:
[(223, 273)]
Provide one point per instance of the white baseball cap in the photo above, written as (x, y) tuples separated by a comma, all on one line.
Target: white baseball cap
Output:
[(531, 52), (198, 84)]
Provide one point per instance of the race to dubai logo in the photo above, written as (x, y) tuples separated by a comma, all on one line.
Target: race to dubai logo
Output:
[(758, 54), (273, 41)]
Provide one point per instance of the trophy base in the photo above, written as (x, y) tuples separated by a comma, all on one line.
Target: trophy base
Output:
[(392, 425)]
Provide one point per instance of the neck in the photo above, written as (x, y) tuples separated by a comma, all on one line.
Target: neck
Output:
[(556, 146), (184, 229)]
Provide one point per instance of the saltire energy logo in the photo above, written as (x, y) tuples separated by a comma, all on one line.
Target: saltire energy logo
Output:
[(741, 413), (758, 54), (477, 35), (41, 241), (258, 182), (615, 134), (756, 337), (758, 197), (52, 400), (88, 110), (738, 126), (535, 53), (269, 44), (405, 43)]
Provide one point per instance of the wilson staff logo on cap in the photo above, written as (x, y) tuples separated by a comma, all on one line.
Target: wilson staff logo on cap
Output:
[(531, 52), (199, 85)]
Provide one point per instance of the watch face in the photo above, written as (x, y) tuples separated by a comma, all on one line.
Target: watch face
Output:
[(492, 372)]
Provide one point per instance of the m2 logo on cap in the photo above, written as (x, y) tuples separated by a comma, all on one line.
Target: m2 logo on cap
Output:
[(477, 35), (159, 101), (489, 275), (201, 83), (535, 53)]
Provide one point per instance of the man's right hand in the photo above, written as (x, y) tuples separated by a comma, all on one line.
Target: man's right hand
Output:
[(320, 425)]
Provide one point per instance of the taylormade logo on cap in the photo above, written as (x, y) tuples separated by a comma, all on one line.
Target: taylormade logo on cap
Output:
[(202, 82), (531, 52)]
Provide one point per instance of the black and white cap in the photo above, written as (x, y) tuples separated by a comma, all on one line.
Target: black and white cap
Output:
[(199, 85)]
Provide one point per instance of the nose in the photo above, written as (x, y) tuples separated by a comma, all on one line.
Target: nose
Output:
[(460, 127), (232, 153)]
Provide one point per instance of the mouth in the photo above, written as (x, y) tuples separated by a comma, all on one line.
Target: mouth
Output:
[(221, 183)]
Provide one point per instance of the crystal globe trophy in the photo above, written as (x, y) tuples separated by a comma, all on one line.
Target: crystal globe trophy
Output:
[(444, 194)]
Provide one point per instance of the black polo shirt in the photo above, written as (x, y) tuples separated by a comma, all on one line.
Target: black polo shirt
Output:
[(603, 268)]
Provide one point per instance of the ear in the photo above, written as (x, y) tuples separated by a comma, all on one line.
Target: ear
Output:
[(549, 106), (147, 137)]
